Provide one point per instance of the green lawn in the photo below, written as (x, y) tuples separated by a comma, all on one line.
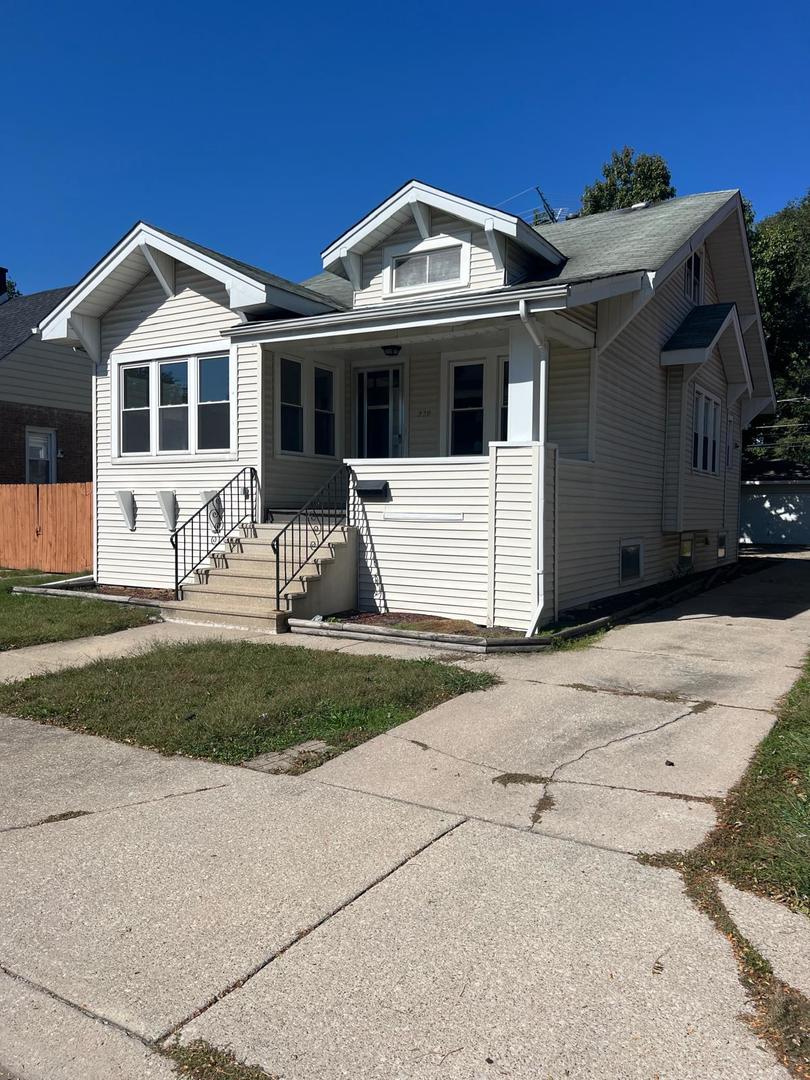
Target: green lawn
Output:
[(231, 701), (34, 620), (763, 842)]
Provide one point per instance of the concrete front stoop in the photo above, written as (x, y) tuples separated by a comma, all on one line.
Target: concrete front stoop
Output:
[(238, 586)]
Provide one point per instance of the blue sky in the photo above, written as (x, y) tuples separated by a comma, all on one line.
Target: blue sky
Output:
[(263, 130)]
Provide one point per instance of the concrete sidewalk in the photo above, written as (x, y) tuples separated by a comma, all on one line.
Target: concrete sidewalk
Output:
[(459, 897)]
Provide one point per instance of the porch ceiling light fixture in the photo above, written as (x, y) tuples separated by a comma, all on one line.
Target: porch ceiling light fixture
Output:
[(392, 350)]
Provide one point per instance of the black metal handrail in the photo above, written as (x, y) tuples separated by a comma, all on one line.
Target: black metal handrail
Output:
[(317, 519), (235, 504)]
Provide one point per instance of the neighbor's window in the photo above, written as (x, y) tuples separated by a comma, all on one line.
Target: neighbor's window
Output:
[(292, 407), (214, 408), (427, 268), (503, 416), (630, 560), (467, 409), (324, 401), (705, 432), (173, 410), (135, 413), (693, 278)]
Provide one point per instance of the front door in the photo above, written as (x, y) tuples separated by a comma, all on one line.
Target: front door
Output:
[(379, 412)]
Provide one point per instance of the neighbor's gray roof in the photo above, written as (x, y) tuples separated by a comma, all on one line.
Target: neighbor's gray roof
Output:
[(623, 241), (251, 271), (21, 313), (699, 328), (333, 286)]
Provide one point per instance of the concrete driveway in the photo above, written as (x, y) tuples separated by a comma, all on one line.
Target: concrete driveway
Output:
[(458, 898)]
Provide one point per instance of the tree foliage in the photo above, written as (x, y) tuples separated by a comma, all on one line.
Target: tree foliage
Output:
[(11, 288), (780, 252), (629, 178)]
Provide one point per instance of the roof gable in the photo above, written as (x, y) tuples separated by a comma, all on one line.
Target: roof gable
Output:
[(413, 202), (145, 249)]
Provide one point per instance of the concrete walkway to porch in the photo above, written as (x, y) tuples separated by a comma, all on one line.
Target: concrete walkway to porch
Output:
[(456, 898)]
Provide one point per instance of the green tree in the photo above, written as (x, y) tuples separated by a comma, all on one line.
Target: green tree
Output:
[(11, 288), (629, 178), (780, 252)]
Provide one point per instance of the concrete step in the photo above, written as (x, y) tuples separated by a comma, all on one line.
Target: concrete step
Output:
[(271, 621), (224, 584), (262, 569), (228, 603)]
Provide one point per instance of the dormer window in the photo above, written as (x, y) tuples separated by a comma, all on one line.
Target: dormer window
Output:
[(440, 262), (693, 278)]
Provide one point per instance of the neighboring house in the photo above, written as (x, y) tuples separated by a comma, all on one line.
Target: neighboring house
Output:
[(775, 505), (532, 418), (45, 397)]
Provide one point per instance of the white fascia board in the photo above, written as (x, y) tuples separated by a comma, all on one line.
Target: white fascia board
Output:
[(415, 192), (590, 292), (389, 319), (753, 407)]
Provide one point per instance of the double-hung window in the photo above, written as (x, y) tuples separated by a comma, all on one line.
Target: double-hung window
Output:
[(705, 432), (175, 406), (307, 410), (503, 413), (693, 278), (467, 408), (438, 262)]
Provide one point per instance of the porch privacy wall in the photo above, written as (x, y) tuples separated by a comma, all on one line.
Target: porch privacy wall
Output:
[(456, 538), (145, 320)]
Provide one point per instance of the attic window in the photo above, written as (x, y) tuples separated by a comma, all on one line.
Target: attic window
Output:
[(440, 262), (430, 268), (693, 278)]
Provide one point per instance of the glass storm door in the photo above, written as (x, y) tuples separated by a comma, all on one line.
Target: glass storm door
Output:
[(379, 412)]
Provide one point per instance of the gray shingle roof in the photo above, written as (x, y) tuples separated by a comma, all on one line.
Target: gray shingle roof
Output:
[(699, 329), (623, 241), (251, 271), (19, 314), (328, 284)]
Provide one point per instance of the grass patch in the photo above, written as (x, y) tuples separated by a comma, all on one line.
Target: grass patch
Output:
[(34, 620), (201, 1061), (229, 701)]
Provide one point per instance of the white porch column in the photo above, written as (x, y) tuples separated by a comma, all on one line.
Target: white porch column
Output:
[(528, 385)]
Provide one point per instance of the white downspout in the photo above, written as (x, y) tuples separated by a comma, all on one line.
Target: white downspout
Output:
[(541, 378)]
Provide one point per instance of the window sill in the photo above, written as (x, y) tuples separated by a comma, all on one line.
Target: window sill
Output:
[(427, 290), (174, 459), (301, 455)]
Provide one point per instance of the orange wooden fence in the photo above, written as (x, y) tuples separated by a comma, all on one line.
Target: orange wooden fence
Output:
[(46, 527)]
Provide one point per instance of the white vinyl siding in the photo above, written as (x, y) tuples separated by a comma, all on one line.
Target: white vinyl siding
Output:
[(48, 375), (143, 321), (569, 394), (514, 508)]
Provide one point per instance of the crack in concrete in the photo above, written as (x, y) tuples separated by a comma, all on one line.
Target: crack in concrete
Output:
[(242, 980), (712, 800), (443, 753), (72, 815), (620, 739)]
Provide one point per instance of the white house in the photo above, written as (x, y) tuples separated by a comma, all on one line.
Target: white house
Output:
[(526, 418)]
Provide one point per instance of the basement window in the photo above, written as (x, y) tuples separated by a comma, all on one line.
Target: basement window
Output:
[(630, 561)]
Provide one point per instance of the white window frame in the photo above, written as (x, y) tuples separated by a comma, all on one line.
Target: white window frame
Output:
[(503, 398), (632, 542), (316, 366), (689, 277), (699, 399), (50, 434), (308, 365), (432, 243), (191, 366), (152, 359)]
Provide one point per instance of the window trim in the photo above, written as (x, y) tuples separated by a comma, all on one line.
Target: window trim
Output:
[(308, 365), (482, 408), (491, 359), (282, 357), (707, 395), (191, 385), (432, 243), (632, 541), (152, 358), (52, 452)]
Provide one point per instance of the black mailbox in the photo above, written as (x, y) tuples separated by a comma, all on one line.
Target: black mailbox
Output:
[(372, 490)]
